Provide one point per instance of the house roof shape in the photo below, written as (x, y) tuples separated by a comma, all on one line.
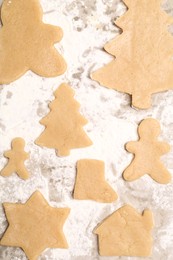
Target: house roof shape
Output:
[(124, 216)]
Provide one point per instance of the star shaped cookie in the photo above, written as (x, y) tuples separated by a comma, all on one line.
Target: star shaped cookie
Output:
[(35, 226)]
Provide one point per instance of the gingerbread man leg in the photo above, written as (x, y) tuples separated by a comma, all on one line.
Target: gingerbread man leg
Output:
[(22, 172), (160, 174), (132, 172), (8, 170), (52, 60)]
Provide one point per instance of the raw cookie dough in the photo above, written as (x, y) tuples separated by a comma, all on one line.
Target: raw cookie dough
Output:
[(64, 124), (16, 156), (35, 226), (148, 151), (144, 51), (26, 43), (126, 233), (91, 184)]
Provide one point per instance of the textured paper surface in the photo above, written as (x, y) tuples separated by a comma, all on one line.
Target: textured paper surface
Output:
[(108, 113)]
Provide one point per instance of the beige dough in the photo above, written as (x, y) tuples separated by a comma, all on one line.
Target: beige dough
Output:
[(143, 52), (91, 184), (26, 43), (64, 124), (126, 233), (35, 226), (16, 156), (148, 151)]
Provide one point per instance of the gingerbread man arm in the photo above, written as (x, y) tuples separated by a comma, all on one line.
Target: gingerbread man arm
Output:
[(131, 146), (163, 147), (25, 156), (8, 154), (54, 33)]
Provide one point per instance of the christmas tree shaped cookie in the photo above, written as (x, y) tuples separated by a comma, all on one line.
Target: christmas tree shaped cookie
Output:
[(26, 43), (143, 52), (147, 152), (64, 124), (126, 233), (35, 226), (91, 184), (16, 157)]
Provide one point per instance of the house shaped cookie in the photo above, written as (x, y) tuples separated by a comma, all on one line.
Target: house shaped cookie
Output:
[(126, 233)]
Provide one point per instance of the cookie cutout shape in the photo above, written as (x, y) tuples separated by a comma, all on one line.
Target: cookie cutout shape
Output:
[(16, 156), (91, 184), (35, 226), (64, 124), (26, 43), (126, 233), (148, 151), (143, 52)]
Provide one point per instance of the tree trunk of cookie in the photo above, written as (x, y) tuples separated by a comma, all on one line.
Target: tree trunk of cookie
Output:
[(62, 152), (141, 101)]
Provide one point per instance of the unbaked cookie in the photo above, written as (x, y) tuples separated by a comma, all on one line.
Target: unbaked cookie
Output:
[(147, 152), (16, 157), (26, 43), (126, 233), (143, 52), (91, 184), (35, 226), (64, 124)]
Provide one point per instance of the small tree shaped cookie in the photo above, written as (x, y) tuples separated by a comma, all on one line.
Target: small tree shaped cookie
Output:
[(143, 52), (26, 43), (148, 151), (91, 184), (16, 156), (64, 124)]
